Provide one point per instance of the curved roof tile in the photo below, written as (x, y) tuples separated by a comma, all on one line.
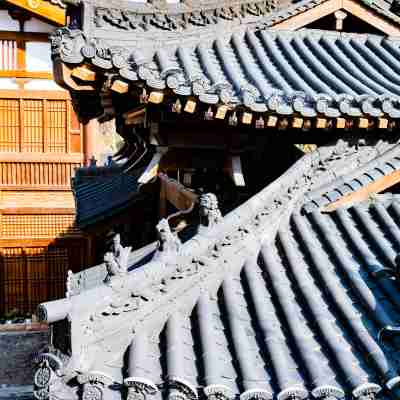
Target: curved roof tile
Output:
[(296, 307), (308, 73)]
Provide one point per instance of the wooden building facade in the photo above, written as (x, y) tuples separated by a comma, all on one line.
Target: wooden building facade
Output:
[(41, 144)]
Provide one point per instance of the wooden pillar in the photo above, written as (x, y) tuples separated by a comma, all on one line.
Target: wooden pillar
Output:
[(90, 131)]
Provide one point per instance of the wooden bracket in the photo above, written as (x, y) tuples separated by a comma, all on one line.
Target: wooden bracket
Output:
[(84, 74)]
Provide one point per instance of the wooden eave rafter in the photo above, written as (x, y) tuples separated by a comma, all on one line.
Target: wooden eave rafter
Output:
[(42, 9), (351, 6)]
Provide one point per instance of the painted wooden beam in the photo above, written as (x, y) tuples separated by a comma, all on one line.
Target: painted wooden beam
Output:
[(363, 194), (41, 8)]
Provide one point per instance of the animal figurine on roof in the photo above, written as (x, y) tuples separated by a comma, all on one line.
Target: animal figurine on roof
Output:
[(168, 242), (209, 211)]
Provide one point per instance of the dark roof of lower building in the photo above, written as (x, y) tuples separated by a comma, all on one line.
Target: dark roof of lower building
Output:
[(268, 303), (101, 196)]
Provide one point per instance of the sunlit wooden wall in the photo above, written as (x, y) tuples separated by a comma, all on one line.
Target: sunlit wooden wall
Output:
[(40, 148)]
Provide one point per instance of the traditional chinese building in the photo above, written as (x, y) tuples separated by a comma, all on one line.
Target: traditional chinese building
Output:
[(41, 144), (287, 287)]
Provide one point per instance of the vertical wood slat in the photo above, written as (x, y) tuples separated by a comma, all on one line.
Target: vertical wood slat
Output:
[(45, 117), (39, 125), (31, 275), (36, 174), (21, 124)]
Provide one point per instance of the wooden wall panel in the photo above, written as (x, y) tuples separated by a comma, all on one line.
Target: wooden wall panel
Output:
[(33, 133), (31, 275), (37, 226), (46, 124), (57, 126), (9, 125), (37, 174), (12, 278)]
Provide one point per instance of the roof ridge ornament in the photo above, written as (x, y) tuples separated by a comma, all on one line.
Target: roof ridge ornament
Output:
[(176, 18)]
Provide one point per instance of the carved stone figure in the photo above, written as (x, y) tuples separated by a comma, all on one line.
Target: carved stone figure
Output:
[(168, 242), (116, 260), (209, 211)]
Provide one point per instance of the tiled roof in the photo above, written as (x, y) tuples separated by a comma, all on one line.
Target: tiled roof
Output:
[(383, 7), (100, 197), (306, 72), (268, 303), (388, 163), (307, 317)]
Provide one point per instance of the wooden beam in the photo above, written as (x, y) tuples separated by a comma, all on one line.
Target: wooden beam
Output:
[(321, 123), (340, 123), (382, 123), (26, 74), (272, 121), (136, 116), (190, 106), (24, 36), (353, 7), (36, 94), (28, 157), (62, 75), (363, 194), (84, 74), (221, 112), (120, 87), (43, 9), (363, 123), (297, 122), (247, 118), (37, 211), (156, 97), (178, 195)]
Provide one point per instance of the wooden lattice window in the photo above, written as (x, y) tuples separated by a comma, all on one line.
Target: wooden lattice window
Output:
[(42, 123), (33, 132), (9, 124), (56, 126), (29, 276), (37, 226), (24, 55)]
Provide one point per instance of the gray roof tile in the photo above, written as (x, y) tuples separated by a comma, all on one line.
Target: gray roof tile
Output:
[(100, 197), (305, 72), (302, 314)]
